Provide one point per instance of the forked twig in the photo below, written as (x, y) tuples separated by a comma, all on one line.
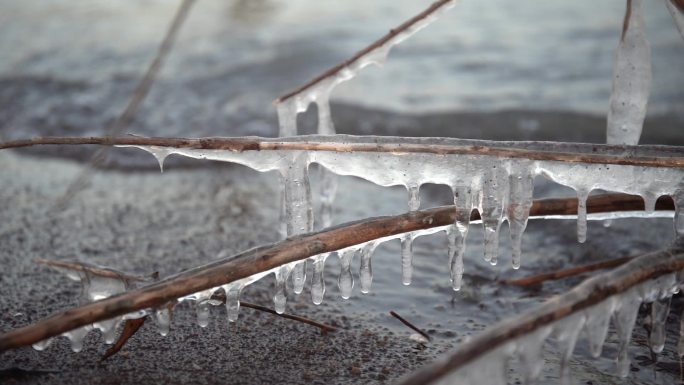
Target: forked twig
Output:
[(590, 292), (267, 257)]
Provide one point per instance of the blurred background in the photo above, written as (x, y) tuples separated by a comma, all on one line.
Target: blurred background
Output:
[(498, 69)]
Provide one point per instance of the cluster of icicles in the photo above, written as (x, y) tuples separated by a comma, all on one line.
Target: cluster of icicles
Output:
[(492, 368)]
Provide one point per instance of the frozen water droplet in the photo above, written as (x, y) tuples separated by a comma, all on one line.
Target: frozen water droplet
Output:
[(346, 280), (203, 314)]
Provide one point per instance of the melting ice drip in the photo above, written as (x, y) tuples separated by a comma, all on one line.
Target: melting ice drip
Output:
[(631, 79), (501, 189), (492, 368), (292, 211)]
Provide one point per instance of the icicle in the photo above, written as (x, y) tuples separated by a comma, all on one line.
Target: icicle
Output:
[(582, 196), (298, 211), (649, 201), (625, 317), (678, 198), (518, 211), (407, 239), (659, 311), (529, 350), (163, 318), (280, 297), (596, 327), (345, 280), (680, 343), (677, 13), (631, 80), (76, 337), (42, 345), (492, 202), (366, 269), (567, 331), (318, 280), (233, 291), (458, 233), (298, 277)]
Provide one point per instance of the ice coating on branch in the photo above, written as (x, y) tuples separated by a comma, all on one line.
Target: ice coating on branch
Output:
[(407, 239), (366, 268), (631, 80), (345, 281), (677, 15)]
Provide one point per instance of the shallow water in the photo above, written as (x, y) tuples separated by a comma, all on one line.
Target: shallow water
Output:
[(68, 69)]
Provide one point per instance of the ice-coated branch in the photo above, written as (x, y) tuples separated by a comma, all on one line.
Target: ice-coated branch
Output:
[(393, 37), (589, 293), (267, 257), (647, 156)]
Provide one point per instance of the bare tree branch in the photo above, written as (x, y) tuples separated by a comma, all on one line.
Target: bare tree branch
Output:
[(567, 152), (590, 292), (376, 44), (139, 94), (267, 257)]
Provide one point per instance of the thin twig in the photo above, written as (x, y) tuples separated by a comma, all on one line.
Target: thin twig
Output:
[(567, 152), (560, 274), (588, 293), (323, 327), (409, 325), (92, 269), (376, 44), (139, 94), (293, 249)]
